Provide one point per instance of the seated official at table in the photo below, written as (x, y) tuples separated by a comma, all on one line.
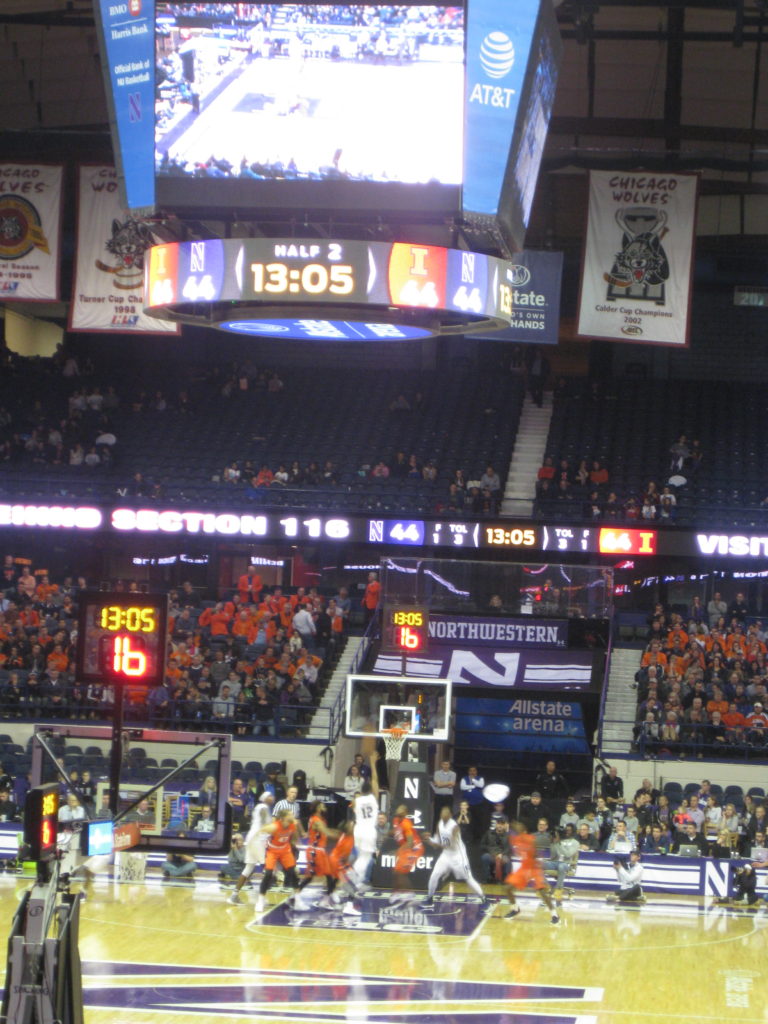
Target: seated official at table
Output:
[(690, 837)]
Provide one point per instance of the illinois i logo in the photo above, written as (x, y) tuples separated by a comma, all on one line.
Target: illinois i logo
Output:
[(640, 268), (130, 240), (21, 229)]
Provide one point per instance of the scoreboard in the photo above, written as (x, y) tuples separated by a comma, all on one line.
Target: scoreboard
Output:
[(122, 638), (379, 285)]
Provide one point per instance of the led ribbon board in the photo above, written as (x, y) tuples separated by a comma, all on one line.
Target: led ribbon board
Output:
[(233, 282), (122, 638)]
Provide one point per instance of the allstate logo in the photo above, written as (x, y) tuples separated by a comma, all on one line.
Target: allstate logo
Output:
[(518, 275), (497, 54)]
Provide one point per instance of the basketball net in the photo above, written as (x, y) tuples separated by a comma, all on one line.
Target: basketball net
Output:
[(394, 739)]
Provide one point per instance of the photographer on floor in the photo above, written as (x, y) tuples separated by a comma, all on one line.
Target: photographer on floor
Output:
[(630, 875)]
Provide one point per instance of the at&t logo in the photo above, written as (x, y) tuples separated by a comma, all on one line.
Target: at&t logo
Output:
[(497, 58), (497, 54)]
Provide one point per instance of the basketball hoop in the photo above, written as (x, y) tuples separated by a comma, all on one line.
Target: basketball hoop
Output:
[(394, 739)]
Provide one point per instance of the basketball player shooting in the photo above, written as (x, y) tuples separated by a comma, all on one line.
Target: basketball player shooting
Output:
[(255, 844), (524, 848), (366, 807), (452, 860)]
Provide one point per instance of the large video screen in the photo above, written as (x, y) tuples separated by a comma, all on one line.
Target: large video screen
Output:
[(258, 94)]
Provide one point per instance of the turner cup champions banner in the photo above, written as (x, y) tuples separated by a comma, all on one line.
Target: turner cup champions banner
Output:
[(108, 292), (638, 257), (30, 227)]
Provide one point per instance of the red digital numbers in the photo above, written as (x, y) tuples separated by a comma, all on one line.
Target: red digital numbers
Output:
[(127, 659), (408, 638), (47, 834)]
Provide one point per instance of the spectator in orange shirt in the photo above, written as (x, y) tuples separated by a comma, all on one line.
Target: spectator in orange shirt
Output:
[(249, 586), (264, 477), (371, 596), (216, 619), (547, 470), (57, 659), (598, 474), (654, 656), (717, 702)]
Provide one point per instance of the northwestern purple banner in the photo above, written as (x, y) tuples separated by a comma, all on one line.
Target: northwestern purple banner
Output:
[(484, 666), (497, 631)]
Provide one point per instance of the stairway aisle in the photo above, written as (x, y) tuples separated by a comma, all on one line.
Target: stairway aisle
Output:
[(620, 701), (527, 457), (318, 730)]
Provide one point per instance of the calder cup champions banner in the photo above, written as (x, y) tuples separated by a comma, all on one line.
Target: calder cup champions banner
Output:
[(638, 257), (108, 293), (30, 226)]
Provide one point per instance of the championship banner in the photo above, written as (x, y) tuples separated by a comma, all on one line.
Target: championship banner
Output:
[(638, 257), (108, 293), (534, 278), (30, 230)]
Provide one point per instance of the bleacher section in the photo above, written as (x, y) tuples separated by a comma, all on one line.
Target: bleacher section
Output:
[(464, 420), (629, 425)]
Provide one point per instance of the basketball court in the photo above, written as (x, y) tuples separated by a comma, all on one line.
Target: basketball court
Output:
[(165, 953)]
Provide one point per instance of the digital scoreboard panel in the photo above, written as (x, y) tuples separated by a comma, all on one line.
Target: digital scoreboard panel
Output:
[(323, 281), (404, 628), (122, 638), (41, 821)]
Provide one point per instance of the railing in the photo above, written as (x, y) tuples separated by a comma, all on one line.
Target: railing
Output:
[(289, 721), (604, 693)]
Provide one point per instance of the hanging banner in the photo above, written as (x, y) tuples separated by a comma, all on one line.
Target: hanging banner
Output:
[(638, 257), (30, 230), (127, 47), (534, 279), (108, 294)]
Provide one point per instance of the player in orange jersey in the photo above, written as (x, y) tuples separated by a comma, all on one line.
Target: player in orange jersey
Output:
[(410, 848), (318, 862), (281, 835), (524, 849), (341, 868)]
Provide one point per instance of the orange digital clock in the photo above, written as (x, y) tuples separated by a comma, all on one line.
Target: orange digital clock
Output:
[(405, 628), (122, 638)]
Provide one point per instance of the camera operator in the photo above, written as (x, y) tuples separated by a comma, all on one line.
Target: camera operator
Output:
[(630, 875)]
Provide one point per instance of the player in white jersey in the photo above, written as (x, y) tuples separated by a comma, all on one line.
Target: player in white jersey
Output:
[(255, 843), (366, 808), (453, 858)]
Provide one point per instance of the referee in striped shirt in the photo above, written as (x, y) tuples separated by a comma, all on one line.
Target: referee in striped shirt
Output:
[(290, 803)]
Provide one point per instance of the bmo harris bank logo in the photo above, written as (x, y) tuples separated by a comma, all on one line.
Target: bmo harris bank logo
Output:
[(497, 58)]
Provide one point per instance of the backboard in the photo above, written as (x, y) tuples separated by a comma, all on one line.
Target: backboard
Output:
[(375, 703)]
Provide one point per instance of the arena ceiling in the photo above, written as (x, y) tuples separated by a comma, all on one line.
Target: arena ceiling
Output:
[(670, 85)]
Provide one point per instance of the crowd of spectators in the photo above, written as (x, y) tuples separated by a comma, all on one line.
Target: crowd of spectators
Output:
[(589, 484), (702, 682), (251, 664)]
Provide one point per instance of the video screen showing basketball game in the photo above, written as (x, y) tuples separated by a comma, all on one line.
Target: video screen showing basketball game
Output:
[(284, 92)]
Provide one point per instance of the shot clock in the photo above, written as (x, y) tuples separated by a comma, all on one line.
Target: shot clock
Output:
[(41, 821), (122, 638), (405, 628)]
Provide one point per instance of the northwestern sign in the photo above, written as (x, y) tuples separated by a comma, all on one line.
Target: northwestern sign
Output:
[(534, 280), (497, 632), (127, 45), (482, 666)]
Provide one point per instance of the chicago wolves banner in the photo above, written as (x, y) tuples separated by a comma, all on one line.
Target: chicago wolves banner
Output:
[(108, 293), (30, 227), (638, 257)]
